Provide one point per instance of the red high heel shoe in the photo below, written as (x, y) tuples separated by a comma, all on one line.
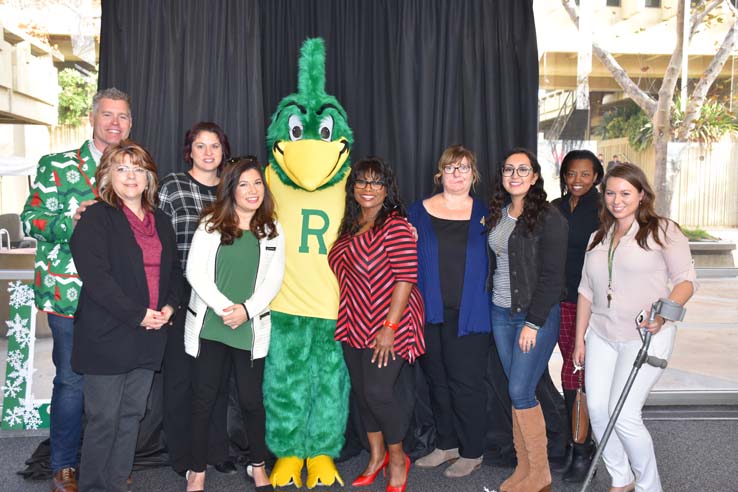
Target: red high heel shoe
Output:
[(364, 480), (402, 487)]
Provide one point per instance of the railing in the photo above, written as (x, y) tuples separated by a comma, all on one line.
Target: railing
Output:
[(565, 112)]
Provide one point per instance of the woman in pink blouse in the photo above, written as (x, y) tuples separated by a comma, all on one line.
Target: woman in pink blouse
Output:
[(633, 259)]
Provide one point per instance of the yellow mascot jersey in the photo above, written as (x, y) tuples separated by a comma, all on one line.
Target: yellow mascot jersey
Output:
[(310, 221)]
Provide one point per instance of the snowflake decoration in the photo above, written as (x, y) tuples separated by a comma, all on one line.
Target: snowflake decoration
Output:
[(14, 416), (49, 281), (52, 203), (31, 417), (20, 294), (15, 359), (72, 176), (72, 294), (22, 373), (18, 329), (13, 388)]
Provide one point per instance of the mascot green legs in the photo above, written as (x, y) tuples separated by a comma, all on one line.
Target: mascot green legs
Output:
[(306, 385)]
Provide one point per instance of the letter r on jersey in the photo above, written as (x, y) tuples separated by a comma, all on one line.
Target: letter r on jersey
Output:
[(314, 223)]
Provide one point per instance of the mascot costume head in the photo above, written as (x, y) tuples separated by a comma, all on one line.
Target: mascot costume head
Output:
[(306, 384)]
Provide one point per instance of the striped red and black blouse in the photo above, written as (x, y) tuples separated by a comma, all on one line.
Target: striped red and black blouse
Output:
[(367, 267)]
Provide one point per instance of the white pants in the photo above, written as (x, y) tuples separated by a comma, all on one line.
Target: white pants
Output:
[(630, 448)]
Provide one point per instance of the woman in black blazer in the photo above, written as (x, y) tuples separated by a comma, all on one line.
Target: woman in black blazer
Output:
[(125, 252)]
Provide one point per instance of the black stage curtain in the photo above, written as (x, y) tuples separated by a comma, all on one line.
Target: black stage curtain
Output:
[(414, 75)]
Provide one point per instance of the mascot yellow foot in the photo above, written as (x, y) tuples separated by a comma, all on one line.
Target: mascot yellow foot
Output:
[(322, 471), (287, 471)]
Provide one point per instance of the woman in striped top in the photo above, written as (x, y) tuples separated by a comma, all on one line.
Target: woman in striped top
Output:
[(527, 250), (380, 313)]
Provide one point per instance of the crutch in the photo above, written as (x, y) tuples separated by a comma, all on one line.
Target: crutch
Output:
[(670, 311)]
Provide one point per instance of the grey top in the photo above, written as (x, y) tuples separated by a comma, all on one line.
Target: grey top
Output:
[(498, 240)]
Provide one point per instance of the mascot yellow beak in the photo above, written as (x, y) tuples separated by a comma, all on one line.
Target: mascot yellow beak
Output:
[(311, 163)]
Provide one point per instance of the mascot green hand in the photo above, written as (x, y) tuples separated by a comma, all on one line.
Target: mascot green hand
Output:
[(306, 385)]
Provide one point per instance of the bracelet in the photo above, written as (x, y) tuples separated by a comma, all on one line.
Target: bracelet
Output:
[(391, 325), (532, 326)]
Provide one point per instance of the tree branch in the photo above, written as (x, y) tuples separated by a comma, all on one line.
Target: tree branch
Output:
[(697, 100), (698, 16), (631, 89)]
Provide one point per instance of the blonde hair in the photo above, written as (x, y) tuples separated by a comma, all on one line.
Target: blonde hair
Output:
[(138, 156), (454, 154)]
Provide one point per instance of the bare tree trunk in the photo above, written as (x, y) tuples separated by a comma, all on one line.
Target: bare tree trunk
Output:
[(663, 186)]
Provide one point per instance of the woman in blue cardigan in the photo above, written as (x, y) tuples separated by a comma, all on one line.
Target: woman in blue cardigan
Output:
[(452, 266)]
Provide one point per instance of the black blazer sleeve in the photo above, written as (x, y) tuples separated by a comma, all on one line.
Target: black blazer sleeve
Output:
[(90, 246), (552, 264), (175, 283)]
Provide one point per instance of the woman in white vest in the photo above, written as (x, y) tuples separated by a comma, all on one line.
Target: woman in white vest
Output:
[(235, 267)]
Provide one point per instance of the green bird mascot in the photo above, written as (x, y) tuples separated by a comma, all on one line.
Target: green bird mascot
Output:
[(306, 384)]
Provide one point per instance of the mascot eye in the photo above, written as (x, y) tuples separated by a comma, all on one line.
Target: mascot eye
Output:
[(295, 125), (326, 128)]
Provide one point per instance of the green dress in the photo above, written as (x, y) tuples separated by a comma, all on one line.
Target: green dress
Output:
[(235, 276)]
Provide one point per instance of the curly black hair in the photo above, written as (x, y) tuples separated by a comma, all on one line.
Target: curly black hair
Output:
[(535, 200), (377, 169), (575, 155)]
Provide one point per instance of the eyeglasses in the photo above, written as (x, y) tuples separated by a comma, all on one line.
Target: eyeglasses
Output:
[(138, 171), (373, 185), (522, 171), (462, 168)]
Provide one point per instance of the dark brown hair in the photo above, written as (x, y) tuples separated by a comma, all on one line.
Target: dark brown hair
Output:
[(113, 156), (649, 221), (206, 126), (535, 200), (221, 215)]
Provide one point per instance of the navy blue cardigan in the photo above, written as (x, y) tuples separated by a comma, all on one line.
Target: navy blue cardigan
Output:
[(475, 302)]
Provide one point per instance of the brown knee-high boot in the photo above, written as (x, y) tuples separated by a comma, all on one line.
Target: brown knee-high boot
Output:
[(521, 470), (533, 429)]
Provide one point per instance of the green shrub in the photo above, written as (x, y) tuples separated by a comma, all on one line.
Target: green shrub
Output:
[(75, 98)]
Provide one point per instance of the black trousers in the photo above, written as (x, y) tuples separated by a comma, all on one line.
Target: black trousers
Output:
[(208, 379), (455, 369), (178, 372), (375, 389)]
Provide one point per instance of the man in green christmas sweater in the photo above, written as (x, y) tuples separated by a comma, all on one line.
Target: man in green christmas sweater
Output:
[(63, 188)]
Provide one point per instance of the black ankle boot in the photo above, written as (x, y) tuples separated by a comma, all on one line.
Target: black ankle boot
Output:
[(577, 472), (560, 464)]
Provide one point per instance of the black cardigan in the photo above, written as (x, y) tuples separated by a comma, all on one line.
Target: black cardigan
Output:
[(536, 266), (582, 223), (108, 337)]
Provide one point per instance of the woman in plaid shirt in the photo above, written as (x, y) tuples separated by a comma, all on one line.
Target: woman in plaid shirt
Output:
[(183, 196)]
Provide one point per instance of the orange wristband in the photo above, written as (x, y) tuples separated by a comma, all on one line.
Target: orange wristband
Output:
[(389, 324)]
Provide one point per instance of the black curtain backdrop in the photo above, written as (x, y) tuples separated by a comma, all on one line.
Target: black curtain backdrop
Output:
[(414, 75)]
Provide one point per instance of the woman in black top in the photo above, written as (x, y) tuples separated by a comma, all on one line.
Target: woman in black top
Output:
[(581, 171)]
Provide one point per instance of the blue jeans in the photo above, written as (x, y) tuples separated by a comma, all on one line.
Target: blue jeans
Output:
[(523, 370), (66, 397)]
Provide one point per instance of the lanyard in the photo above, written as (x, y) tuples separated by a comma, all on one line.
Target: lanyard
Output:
[(610, 258)]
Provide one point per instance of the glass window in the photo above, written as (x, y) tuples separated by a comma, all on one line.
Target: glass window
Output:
[(613, 3), (653, 3)]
